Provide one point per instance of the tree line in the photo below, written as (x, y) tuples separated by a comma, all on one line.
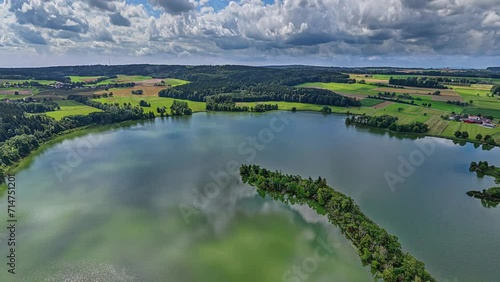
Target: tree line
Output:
[(226, 103), (376, 248), (423, 82), (21, 133), (387, 122)]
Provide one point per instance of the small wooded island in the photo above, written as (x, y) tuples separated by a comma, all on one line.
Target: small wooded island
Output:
[(489, 197), (374, 245)]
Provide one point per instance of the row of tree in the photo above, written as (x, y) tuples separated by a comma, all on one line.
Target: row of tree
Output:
[(387, 122), (377, 248), (226, 103), (487, 139), (424, 82)]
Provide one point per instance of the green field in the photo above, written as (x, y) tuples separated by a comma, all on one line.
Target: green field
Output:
[(174, 82), (13, 81), (369, 102), (154, 101), (388, 76), (125, 79), (71, 108), (472, 129), (354, 88), (439, 105), (83, 78), (13, 97)]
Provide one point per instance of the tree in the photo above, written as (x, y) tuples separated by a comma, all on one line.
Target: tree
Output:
[(143, 103), (326, 110), (294, 109), (491, 142), (465, 135), (16, 93), (495, 90), (458, 134), (479, 137), (487, 137)]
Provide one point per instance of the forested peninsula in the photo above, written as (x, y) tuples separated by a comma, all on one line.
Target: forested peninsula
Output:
[(376, 248)]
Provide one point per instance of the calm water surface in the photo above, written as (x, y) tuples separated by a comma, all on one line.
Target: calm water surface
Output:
[(153, 202)]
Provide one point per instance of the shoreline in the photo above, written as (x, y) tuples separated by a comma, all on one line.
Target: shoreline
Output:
[(63, 136), (78, 132)]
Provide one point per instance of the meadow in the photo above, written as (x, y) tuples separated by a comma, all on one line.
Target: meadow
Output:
[(71, 108), (479, 97), (344, 88), (83, 78)]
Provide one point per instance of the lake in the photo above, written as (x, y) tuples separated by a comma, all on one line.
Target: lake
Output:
[(159, 201)]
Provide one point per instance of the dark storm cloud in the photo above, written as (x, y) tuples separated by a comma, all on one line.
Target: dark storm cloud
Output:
[(119, 20), (174, 6)]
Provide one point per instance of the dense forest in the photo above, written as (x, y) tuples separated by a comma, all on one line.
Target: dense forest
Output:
[(424, 82), (245, 74), (20, 133), (377, 249), (242, 93), (387, 122)]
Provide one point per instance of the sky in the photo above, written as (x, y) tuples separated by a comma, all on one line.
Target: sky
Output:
[(346, 33)]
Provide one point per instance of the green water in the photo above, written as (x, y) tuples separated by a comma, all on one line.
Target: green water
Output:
[(152, 202)]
